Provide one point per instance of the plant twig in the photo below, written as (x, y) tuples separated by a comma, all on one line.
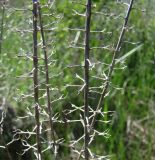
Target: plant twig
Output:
[(35, 78), (86, 77), (47, 81), (112, 65)]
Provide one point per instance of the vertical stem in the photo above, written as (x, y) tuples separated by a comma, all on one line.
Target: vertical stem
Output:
[(35, 77), (112, 65), (2, 27), (104, 90), (86, 77), (47, 81)]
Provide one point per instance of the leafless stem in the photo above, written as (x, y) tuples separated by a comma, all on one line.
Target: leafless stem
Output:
[(47, 81), (112, 65), (35, 78), (86, 78)]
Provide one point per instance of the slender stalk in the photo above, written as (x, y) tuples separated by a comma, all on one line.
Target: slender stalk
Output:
[(35, 78), (2, 27), (47, 81), (86, 77), (117, 49), (112, 65)]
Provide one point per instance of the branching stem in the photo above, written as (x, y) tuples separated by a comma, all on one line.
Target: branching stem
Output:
[(35, 78), (47, 81), (112, 65), (86, 77)]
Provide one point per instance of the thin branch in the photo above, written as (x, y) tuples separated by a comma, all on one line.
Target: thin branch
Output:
[(86, 77), (47, 81), (105, 88), (35, 78), (112, 65)]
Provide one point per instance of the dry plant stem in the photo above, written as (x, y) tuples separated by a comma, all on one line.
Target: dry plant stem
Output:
[(2, 27), (47, 80), (35, 78), (112, 65), (117, 49), (86, 78)]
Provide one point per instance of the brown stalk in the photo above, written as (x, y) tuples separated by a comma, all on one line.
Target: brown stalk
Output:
[(112, 65), (86, 77), (35, 78), (117, 49), (47, 81)]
